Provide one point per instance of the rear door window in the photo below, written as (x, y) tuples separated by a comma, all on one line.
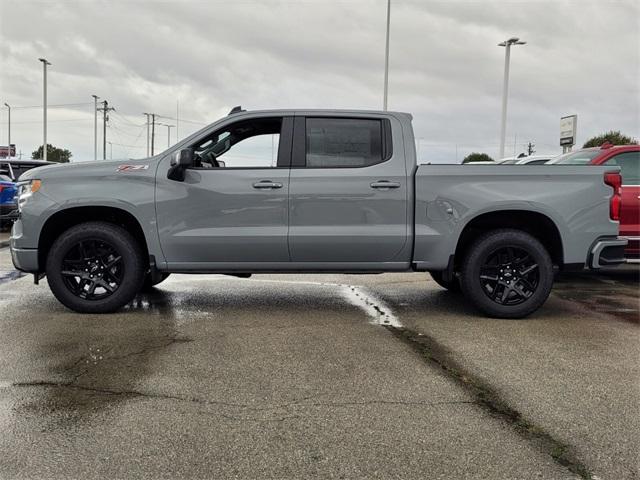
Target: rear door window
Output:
[(344, 142)]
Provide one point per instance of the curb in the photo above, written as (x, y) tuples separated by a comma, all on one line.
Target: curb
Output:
[(4, 243)]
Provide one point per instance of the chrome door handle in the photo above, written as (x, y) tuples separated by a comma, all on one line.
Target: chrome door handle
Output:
[(385, 184), (267, 184)]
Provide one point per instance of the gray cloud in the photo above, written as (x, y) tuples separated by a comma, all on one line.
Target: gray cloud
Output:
[(582, 57)]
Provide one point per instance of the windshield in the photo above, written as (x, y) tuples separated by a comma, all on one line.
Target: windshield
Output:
[(581, 157)]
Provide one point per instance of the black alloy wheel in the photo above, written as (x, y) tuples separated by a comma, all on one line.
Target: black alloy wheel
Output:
[(93, 269), (509, 275)]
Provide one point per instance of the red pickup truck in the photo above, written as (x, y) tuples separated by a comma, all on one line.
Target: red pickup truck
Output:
[(628, 158)]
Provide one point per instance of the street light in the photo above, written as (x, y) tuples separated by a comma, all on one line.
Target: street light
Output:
[(95, 127), (386, 59), (44, 110), (9, 125), (505, 90), (168, 132)]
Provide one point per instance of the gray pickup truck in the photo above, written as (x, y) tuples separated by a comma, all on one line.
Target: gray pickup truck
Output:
[(312, 191)]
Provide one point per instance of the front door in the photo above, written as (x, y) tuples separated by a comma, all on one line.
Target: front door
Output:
[(232, 207), (348, 192)]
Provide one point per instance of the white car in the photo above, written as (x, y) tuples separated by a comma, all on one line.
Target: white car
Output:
[(530, 160)]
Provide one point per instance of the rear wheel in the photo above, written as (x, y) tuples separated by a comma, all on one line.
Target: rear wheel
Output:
[(95, 267), (507, 274), (451, 285)]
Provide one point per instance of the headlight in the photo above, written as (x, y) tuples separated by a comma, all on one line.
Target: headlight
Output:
[(26, 189)]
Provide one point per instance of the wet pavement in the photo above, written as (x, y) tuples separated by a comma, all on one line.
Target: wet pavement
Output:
[(320, 376)]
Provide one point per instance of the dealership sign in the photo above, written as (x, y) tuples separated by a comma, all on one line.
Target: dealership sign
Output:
[(9, 151), (568, 127)]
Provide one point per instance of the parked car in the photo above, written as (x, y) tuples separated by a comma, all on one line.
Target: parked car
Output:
[(8, 202), (627, 157), (14, 167), (312, 191), (530, 160)]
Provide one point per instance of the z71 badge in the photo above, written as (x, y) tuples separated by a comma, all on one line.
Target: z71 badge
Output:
[(131, 168)]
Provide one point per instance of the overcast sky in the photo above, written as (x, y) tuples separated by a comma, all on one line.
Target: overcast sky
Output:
[(581, 57)]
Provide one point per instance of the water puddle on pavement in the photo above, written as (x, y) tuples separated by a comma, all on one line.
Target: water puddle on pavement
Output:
[(6, 277)]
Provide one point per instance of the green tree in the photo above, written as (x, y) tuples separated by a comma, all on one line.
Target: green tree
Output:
[(477, 157), (612, 137), (54, 154)]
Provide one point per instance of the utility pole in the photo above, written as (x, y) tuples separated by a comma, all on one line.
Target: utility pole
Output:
[(386, 59), (147, 115), (9, 125), (505, 89), (44, 110), (95, 126), (105, 118), (153, 132), (530, 149)]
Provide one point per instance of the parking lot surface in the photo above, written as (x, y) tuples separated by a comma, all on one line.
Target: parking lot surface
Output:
[(320, 376)]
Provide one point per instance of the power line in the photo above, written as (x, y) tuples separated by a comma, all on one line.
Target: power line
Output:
[(60, 105)]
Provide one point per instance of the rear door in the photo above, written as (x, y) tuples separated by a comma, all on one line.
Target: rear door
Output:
[(348, 192), (629, 163)]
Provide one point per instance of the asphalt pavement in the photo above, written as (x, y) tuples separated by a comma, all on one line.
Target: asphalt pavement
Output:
[(320, 376)]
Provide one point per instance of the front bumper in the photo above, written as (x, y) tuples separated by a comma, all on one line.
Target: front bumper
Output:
[(607, 252), (25, 259)]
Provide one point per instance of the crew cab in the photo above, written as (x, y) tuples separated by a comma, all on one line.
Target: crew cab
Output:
[(312, 191)]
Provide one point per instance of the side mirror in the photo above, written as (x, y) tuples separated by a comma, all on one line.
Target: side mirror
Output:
[(221, 163), (181, 160)]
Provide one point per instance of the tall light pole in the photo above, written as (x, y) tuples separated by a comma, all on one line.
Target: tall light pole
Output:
[(386, 59), (44, 110), (95, 127), (168, 132), (9, 125), (505, 89), (147, 115)]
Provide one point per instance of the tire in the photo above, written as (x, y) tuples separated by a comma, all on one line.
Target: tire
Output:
[(104, 257), (148, 284), (452, 286), (517, 274)]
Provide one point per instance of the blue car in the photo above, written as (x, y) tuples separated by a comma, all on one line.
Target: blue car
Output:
[(8, 201)]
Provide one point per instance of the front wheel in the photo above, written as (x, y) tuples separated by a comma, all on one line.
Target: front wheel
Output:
[(507, 274), (95, 267)]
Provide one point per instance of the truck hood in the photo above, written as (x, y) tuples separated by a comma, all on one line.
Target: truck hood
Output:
[(93, 168)]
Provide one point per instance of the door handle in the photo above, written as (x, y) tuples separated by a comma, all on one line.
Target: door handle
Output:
[(385, 184), (267, 184)]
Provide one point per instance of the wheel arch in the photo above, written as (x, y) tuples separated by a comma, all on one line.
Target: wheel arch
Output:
[(537, 224), (62, 220)]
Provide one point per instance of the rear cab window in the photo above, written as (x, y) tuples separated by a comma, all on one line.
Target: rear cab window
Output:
[(346, 142)]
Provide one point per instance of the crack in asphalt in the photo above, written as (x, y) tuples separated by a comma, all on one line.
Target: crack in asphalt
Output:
[(205, 401), (488, 398)]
